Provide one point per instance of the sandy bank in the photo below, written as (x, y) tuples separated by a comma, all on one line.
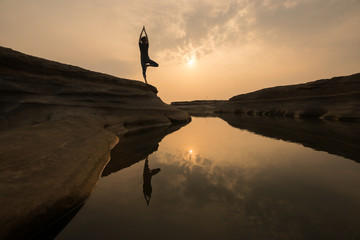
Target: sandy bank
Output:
[(58, 124)]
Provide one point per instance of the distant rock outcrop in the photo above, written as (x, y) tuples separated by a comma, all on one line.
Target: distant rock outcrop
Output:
[(337, 98), (200, 108), (58, 124)]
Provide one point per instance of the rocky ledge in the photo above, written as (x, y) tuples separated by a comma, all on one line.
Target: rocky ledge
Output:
[(337, 98), (58, 125)]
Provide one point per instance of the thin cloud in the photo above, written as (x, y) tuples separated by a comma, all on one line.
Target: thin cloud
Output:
[(199, 29), (205, 26)]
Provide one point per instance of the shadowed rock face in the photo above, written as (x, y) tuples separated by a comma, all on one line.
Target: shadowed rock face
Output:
[(337, 98), (58, 124), (57, 91), (133, 147)]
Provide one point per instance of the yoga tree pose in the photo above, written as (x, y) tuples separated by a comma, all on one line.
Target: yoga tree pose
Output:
[(147, 175), (144, 51)]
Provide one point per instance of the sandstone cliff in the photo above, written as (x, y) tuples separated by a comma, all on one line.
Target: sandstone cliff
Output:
[(58, 124), (337, 98)]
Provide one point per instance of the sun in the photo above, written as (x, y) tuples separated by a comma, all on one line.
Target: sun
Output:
[(191, 61)]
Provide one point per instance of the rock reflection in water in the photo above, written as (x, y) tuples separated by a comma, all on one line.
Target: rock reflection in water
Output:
[(340, 138), (132, 148), (218, 182), (135, 147)]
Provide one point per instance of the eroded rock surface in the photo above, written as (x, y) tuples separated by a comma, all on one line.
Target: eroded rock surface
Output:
[(337, 98), (58, 124)]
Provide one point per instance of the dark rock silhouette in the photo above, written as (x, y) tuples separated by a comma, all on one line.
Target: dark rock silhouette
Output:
[(337, 98), (58, 124)]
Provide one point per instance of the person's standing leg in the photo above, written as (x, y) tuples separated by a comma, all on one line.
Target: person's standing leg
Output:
[(143, 65)]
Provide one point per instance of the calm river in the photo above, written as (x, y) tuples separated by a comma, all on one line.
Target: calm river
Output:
[(210, 180)]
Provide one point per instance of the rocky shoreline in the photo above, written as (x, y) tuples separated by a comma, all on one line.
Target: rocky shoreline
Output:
[(337, 98), (58, 125)]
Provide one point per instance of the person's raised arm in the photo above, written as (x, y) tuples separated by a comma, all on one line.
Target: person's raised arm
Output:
[(143, 29), (140, 36), (146, 34)]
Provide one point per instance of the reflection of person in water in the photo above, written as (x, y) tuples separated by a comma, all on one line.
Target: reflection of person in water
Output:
[(147, 189), (144, 51)]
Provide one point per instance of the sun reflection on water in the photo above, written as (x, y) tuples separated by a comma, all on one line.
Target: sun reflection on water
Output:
[(189, 156)]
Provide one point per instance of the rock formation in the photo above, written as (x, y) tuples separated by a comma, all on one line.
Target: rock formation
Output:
[(58, 125), (201, 108), (337, 98)]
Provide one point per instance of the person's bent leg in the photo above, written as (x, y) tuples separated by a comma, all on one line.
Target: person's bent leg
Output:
[(152, 63)]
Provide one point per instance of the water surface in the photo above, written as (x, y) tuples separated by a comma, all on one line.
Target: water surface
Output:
[(220, 182)]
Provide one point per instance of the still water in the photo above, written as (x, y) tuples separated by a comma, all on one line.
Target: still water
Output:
[(210, 180)]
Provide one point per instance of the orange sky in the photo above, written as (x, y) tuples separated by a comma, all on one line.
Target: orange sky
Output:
[(235, 46)]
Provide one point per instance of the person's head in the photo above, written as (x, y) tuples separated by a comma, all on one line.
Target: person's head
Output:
[(144, 39)]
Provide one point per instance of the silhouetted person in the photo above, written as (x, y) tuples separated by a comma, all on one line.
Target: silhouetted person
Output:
[(144, 52), (147, 189)]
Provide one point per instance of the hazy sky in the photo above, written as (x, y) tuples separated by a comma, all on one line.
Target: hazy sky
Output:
[(233, 46)]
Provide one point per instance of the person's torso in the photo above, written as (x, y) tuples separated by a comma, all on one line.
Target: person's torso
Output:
[(144, 50)]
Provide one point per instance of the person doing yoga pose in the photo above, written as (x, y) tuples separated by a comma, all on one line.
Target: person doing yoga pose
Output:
[(147, 175), (144, 52)]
